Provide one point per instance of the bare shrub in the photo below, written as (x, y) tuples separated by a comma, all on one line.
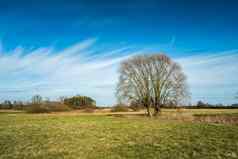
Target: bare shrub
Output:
[(47, 107), (120, 108), (88, 110), (217, 118), (37, 108), (57, 107)]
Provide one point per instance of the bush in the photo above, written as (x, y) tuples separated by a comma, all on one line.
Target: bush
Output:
[(120, 108), (47, 108), (230, 118), (89, 110), (80, 102), (37, 108), (57, 107), (6, 105)]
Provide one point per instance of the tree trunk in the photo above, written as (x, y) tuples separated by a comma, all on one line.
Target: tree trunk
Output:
[(148, 111), (156, 110)]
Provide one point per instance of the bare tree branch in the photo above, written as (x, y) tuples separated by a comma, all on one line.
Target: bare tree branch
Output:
[(152, 80)]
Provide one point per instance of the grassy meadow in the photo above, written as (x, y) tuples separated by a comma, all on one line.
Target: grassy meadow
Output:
[(73, 135)]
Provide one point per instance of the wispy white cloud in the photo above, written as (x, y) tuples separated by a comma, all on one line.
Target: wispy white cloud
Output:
[(212, 77), (51, 73), (85, 69)]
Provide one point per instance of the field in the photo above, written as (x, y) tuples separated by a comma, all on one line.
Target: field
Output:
[(117, 135)]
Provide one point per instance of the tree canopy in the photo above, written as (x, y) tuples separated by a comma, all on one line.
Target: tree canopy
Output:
[(80, 101), (151, 80)]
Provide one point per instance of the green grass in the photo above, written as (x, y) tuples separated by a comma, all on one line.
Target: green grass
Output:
[(69, 136)]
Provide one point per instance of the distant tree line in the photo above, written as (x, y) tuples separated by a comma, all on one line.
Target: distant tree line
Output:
[(79, 102), (38, 104), (204, 105), (7, 104), (201, 104)]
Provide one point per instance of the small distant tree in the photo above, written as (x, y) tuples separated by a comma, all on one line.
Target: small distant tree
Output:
[(120, 108), (18, 105), (201, 104), (38, 105), (235, 105), (62, 98), (14, 103), (36, 100), (47, 100), (7, 104)]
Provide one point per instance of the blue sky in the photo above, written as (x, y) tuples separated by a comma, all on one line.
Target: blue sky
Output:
[(61, 48)]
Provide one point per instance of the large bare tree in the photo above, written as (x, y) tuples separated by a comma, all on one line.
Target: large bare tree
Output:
[(151, 80)]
